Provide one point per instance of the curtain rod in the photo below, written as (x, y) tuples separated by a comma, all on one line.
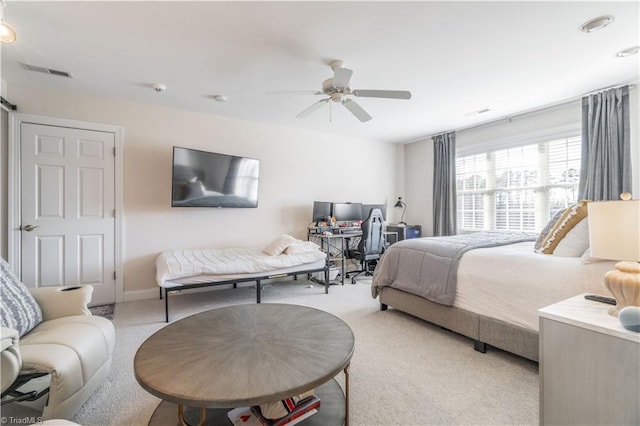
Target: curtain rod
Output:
[(632, 86), (544, 108)]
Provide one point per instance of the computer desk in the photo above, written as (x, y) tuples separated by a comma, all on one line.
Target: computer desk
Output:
[(340, 240)]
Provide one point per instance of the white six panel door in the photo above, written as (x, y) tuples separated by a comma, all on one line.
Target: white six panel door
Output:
[(68, 206)]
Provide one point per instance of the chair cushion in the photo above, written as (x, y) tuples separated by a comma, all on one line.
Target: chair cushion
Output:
[(19, 309)]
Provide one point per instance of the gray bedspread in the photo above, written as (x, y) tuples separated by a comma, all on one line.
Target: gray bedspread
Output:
[(428, 267)]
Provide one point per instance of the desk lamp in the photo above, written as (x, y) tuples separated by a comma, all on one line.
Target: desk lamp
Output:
[(403, 205), (614, 233)]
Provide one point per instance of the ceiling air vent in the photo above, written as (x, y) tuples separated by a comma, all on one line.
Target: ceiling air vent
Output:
[(45, 70)]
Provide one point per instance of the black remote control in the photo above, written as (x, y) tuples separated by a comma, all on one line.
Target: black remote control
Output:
[(602, 299)]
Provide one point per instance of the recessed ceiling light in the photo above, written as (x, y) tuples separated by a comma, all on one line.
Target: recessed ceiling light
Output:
[(7, 34), (220, 98), (596, 24), (630, 51)]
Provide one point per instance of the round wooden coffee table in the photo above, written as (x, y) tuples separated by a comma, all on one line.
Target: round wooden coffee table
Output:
[(204, 365)]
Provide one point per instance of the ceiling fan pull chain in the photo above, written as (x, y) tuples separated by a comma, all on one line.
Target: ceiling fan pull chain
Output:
[(330, 112)]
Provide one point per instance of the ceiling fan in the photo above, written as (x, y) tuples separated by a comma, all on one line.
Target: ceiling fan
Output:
[(338, 90)]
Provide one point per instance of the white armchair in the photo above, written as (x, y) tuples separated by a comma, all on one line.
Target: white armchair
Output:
[(69, 344), (10, 355)]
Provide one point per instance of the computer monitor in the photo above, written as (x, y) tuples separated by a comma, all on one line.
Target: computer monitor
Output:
[(347, 212), (366, 209), (321, 211)]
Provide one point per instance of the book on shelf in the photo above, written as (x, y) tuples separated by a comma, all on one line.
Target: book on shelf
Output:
[(303, 410), (242, 416)]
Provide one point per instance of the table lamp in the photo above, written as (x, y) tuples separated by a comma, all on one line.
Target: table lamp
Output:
[(403, 205), (614, 233)]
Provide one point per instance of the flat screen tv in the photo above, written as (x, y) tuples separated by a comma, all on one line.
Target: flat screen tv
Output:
[(209, 179)]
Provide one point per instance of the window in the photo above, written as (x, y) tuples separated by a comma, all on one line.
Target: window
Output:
[(517, 188)]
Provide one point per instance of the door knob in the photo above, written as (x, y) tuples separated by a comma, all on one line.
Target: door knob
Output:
[(29, 228)]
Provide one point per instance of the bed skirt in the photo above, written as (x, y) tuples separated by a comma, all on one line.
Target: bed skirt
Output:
[(482, 329)]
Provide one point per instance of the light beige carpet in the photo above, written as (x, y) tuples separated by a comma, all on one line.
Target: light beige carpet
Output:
[(404, 370)]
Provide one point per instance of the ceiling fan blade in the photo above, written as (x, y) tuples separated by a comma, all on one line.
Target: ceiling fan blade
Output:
[(391, 94), (341, 77), (356, 110), (312, 108)]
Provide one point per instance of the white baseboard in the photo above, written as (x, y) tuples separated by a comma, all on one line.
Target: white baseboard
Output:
[(152, 293)]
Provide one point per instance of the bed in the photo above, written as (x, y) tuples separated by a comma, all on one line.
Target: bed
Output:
[(490, 292), (178, 270)]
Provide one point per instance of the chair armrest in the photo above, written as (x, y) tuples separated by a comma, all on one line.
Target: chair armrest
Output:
[(10, 359), (9, 338), (57, 302)]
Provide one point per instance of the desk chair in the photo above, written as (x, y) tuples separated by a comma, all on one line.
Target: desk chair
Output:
[(371, 244)]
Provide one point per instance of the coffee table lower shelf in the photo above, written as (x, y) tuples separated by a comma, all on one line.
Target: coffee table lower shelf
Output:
[(331, 412)]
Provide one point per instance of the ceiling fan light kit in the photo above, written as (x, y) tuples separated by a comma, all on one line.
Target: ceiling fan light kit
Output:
[(338, 90)]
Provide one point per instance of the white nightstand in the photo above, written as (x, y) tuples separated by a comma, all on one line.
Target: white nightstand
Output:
[(589, 366)]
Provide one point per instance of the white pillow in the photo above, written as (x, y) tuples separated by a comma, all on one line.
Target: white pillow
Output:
[(575, 242), (300, 247), (279, 245)]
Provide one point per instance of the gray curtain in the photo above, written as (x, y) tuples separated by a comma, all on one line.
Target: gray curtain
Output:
[(444, 184), (606, 147)]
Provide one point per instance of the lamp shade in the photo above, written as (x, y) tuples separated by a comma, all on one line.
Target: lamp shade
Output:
[(614, 230)]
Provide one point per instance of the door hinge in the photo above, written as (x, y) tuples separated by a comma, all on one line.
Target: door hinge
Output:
[(113, 213), (114, 275), (114, 151)]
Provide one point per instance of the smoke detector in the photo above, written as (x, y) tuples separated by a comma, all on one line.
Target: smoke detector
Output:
[(160, 88)]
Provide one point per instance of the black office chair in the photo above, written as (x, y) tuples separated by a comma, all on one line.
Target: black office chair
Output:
[(371, 245)]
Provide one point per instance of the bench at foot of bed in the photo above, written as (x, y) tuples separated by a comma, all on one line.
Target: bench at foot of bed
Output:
[(258, 280)]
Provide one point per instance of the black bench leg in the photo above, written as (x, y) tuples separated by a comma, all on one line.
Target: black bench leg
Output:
[(166, 305), (160, 293), (258, 290), (326, 280), (480, 346), (383, 307)]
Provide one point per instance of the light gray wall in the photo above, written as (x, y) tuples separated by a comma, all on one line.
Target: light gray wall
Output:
[(296, 168)]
